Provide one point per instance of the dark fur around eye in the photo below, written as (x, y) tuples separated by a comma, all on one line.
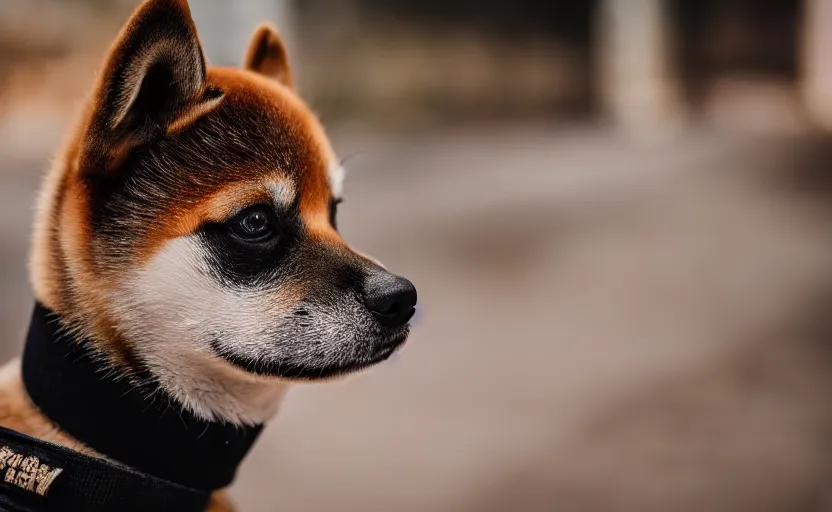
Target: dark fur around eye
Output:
[(241, 261)]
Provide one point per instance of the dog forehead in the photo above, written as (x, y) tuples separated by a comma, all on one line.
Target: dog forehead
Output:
[(280, 132), (278, 125)]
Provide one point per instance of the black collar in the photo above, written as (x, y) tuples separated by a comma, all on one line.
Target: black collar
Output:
[(140, 427), (36, 476)]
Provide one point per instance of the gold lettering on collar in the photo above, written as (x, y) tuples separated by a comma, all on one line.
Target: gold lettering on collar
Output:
[(27, 472)]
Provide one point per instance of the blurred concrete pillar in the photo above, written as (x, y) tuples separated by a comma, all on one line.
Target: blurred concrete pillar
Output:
[(816, 60), (225, 25), (636, 83)]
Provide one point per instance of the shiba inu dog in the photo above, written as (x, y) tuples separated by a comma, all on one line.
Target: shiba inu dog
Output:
[(186, 263)]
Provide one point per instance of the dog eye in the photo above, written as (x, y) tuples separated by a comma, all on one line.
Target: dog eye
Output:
[(254, 224)]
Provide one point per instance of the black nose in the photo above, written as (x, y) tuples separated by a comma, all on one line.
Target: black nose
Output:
[(391, 298)]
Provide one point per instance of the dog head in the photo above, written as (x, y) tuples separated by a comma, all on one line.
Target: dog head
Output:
[(189, 227)]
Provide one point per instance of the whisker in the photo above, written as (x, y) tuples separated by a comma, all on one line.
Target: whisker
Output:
[(353, 155)]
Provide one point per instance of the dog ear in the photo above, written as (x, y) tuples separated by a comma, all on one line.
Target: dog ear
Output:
[(153, 85), (267, 55)]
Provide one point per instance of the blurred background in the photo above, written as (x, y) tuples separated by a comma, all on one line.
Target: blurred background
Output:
[(618, 216)]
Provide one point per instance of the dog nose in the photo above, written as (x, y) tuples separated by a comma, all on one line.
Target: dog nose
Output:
[(391, 298)]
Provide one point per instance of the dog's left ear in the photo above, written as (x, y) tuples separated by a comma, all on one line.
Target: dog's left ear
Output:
[(267, 55), (153, 85)]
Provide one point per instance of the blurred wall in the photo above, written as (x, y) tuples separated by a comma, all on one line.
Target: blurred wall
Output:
[(419, 64)]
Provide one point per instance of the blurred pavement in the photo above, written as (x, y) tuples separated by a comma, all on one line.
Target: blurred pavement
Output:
[(604, 327)]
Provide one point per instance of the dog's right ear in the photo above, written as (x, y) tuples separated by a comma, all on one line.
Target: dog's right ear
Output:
[(153, 85)]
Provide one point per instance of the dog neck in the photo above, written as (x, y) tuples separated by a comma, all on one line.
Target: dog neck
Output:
[(212, 391), (132, 420)]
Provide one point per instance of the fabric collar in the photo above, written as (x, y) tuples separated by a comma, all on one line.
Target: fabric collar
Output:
[(138, 426), (37, 476)]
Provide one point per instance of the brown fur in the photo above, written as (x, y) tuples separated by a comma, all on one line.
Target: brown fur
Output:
[(67, 273)]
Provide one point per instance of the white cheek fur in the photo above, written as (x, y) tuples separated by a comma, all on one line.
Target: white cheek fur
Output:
[(171, 307)]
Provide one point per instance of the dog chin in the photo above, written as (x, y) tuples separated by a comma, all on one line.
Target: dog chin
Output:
[(382, 350)]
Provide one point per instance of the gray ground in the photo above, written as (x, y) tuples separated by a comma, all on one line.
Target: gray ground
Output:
[(605, 326)]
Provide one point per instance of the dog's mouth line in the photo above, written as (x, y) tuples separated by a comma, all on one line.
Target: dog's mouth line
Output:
[(382, 351), (391, 345)]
